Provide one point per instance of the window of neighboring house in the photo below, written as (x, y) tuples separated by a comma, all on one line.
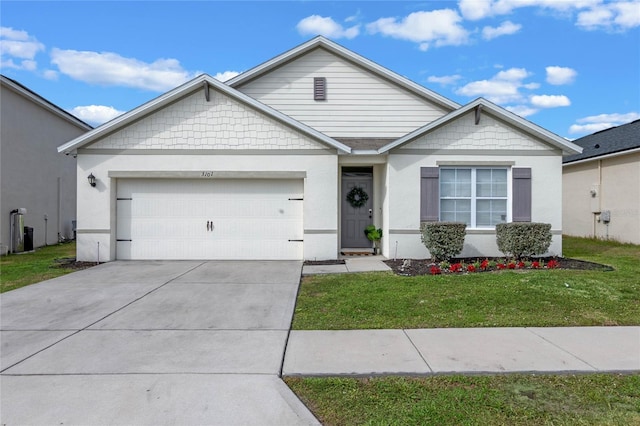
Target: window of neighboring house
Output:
[(476, 196)]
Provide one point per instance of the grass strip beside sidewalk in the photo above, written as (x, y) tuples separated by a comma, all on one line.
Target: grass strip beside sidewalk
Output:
[(595, 399), (529, 298)]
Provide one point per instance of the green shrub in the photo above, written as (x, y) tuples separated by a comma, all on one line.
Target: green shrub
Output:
[(523, 239), (444, 240), (372, 233)]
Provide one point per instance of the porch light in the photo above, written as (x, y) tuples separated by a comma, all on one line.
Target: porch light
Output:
[(92, 180)]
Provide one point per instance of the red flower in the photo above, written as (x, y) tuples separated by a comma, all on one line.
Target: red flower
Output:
[(456, 267), (501, 266), (435, 270), (485, 264), (520, 265), (471, 268), (552, 264), (511, 265), (535, 264)]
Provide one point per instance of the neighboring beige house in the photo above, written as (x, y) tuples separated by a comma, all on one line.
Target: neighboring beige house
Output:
[(33, 175), (295, 157), (602, 185)]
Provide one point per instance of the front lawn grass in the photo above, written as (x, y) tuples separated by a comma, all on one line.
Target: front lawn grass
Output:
[(503, 299), (596, 399), (19, 270)]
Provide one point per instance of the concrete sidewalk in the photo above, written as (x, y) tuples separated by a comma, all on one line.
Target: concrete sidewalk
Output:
[(463, 351), (351, 264)]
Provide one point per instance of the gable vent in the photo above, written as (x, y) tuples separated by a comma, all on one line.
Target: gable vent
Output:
[(319, 88)]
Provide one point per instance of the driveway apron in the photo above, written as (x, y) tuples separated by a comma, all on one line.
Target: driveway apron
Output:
[(153, 342)]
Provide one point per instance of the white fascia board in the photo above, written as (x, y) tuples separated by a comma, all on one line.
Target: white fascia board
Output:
[(184, 90), (601, 157), (350, 56), (51, 107), (505, 115)]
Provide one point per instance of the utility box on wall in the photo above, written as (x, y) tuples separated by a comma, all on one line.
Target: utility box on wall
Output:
[(595, 198)]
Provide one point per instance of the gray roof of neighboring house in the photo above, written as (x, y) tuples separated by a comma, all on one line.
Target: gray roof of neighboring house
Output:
[(609, 141), (53, 108)]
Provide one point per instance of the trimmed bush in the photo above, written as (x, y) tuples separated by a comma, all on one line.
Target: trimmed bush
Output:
[(523, 239), (444, 240)]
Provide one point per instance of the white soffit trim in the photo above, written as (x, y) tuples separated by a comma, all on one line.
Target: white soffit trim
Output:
[(34, 97), (182, 91), (505, 115), (349, 55)]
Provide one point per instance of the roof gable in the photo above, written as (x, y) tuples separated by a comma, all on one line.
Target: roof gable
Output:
[(478, 106), (346, 54), (37, 99), (609, 141), (203, 82)]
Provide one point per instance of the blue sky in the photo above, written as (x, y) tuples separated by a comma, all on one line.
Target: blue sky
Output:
[(572, 67)]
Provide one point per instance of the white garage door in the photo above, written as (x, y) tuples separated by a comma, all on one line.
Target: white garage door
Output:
[(209, 219)]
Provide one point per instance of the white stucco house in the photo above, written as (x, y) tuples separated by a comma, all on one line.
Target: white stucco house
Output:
[(275, 164)]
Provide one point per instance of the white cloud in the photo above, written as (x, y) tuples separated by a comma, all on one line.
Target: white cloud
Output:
[(560, 75), (618, 16), (438, 27), (550, 101), (326, 26), (444, 80), (18, 49), (502, 88), (475, 9), (111, 69), (595, 123), (506, 28), (96, 114), (226, 75), (522, 110), (50, 74), (590, 14)]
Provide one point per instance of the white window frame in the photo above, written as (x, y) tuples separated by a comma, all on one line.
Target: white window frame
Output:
[(474, 198)]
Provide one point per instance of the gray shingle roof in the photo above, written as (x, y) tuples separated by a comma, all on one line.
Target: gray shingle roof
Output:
[(609, 141)]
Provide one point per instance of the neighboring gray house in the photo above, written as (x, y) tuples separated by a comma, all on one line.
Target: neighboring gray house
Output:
[(602, 185), (33, 175)]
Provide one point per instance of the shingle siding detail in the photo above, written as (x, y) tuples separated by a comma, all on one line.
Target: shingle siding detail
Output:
[(194, 123), (464, 134)]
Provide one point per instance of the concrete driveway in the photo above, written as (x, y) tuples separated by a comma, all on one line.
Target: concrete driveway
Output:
[(154, 342)]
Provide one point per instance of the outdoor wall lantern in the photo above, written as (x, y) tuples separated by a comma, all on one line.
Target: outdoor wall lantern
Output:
[(92, 180)]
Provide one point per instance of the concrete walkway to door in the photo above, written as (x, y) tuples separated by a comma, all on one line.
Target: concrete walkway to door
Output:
[(153, 343)]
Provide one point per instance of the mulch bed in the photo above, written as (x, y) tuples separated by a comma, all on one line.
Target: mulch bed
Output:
[(414, 267), (70, 263)]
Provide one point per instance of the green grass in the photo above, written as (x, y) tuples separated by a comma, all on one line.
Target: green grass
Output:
[(503, 299), (19, 270), (597, 399)]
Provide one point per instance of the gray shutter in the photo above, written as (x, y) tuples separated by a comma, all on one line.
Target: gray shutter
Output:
[(429, 194), (521, 194), (319, 88)]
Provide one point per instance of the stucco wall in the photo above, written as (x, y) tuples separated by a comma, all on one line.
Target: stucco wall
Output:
[(33, 174), (616, 181)]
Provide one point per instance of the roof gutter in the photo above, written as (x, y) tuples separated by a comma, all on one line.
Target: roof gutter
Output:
[(602, 157)]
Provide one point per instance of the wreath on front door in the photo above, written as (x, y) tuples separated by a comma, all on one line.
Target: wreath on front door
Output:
[(357, 197)]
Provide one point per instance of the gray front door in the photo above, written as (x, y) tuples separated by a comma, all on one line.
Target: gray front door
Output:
[(355, 219)]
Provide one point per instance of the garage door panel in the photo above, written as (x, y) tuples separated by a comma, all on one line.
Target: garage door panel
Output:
[(167, 219)]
